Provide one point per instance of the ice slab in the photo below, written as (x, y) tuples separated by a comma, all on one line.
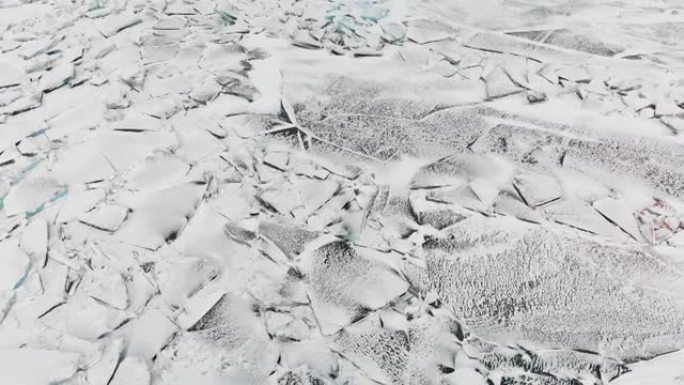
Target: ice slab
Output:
[(12, 74), (525, 261), (131, 371), (499, 84), (537, 189), (102, 371), (157, 171), (153, 222), (14, 265), (619, 212), (113, 24), (18, 366), (57, 77), (665, 370), (106, 286), (147, 335), (343, 283), (34, 241), (31, 194), (106, 217), (84, 317)]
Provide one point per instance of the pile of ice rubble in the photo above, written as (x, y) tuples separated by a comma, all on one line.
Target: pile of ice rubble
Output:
[(163, 223)]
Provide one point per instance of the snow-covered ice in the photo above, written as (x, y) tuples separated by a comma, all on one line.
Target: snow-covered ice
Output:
[(341, 192)]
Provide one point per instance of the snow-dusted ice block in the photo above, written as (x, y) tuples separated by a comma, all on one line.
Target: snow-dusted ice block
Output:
[(344, 284)]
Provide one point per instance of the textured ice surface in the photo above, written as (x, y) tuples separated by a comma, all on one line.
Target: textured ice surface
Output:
[(563, 290), (344, 284)]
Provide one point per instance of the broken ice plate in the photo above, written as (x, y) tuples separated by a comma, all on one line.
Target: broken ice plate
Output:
[(14, 265), (31, 194)]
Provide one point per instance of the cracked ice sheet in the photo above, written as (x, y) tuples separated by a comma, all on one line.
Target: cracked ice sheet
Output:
[(127, 152), (299, 82)]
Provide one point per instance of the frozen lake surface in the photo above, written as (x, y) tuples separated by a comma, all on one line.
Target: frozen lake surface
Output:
[(342, 192)]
